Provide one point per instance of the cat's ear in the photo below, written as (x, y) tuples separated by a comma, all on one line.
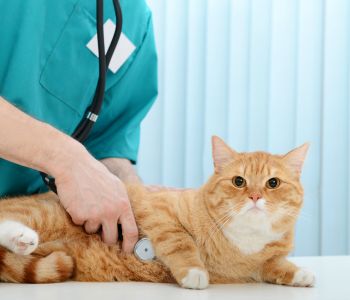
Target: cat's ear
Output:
[(222, 153), (295, 158)]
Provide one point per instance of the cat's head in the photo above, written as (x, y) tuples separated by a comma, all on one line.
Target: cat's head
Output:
[(258, 187)]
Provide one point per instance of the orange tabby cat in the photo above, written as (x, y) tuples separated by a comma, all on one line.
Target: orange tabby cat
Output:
[(238, 227)]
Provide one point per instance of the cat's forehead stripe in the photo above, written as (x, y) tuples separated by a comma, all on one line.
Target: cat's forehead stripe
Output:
[(256, 163)]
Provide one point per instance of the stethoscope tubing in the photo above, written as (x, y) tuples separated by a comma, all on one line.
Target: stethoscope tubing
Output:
[(85, 126)]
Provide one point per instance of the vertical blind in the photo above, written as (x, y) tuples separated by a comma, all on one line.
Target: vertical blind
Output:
[(263, 75)]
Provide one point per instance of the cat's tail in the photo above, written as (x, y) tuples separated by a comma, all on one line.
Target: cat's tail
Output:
[(55, 267)]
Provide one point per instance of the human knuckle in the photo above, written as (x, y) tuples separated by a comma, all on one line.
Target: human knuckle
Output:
[(94, 219), (110, 213), (78, 218), (124, 205), (133, 233)]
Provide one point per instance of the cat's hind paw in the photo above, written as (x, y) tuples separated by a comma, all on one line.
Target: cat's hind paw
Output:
[(18, 238), (195, 279), (303, 278)]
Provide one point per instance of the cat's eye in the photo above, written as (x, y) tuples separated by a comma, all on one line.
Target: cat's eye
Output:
[(273, 183), (239, 181)]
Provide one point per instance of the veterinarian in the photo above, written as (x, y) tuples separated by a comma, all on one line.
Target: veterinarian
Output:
[(48, 76)]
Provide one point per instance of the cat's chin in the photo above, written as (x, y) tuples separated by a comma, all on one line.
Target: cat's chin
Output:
[(255, 212)]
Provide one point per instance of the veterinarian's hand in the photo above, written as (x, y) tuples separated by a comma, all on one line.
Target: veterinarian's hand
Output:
[(94, 197), (88, 191)]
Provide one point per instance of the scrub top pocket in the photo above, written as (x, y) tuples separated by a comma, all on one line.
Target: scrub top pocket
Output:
[(71, 71)]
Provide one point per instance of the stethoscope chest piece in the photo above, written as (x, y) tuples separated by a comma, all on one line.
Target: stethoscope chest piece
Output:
[(143, 250)]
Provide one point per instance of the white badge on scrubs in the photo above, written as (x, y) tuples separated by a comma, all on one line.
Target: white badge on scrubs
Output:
[(123, 50)]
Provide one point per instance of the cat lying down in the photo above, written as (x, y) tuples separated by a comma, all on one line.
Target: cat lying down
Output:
[(238, 227)]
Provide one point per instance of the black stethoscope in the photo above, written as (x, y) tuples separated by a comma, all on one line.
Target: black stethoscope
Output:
[(143, 249), (83, 129)]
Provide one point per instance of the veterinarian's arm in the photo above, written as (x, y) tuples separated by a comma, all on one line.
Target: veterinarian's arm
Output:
[(87, 190), (126, 172), (123, 169)]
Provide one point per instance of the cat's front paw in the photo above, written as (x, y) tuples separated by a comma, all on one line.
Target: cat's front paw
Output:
[(195, 278), (303, 278), (18, 238)]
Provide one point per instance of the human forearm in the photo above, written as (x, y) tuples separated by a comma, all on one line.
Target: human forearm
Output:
[(91, 195), (31, 143), (123, 169)]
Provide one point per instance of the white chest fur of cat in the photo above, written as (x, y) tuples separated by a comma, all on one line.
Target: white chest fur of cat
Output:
[(250, 230)]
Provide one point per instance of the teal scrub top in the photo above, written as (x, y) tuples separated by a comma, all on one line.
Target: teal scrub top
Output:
[(47, 71)]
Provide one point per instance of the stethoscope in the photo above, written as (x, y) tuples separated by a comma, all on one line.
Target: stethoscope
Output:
[(83, 129), (143, 249)]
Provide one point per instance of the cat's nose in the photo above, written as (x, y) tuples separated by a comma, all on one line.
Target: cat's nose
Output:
[(255, 196)]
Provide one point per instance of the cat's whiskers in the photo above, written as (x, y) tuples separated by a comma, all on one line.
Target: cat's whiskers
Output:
[(287, 210), (223, 215), (224, 223), (297, 215), (218, 221), (221, 222), (219, 226)]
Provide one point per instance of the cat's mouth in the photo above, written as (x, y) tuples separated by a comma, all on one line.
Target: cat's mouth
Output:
[(256, 209), (253, 207)]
